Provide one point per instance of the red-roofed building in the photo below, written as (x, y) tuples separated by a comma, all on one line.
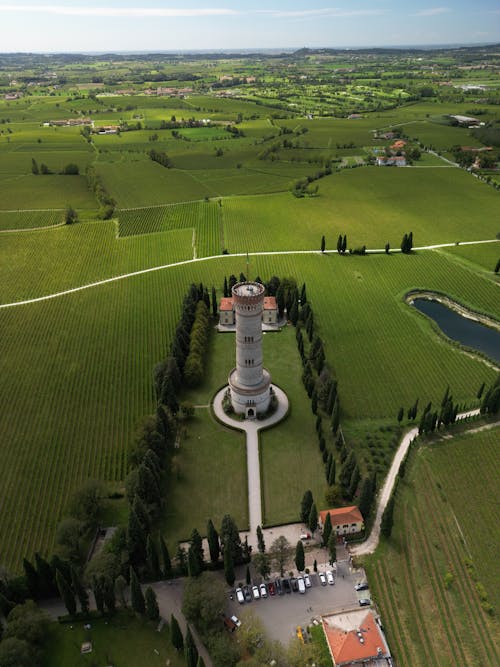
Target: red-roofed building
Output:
[(226, 311), (356, 638), (345, 520)]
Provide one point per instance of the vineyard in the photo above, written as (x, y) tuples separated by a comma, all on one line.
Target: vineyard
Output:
[(19, 220), (203, 218), (76, 370), (426, 578)]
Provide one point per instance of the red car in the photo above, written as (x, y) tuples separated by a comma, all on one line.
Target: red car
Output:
[(271, 588)]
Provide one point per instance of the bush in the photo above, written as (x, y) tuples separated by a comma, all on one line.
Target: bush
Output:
[(71, 169)]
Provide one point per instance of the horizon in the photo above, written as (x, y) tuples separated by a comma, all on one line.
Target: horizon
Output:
[(86, 26)]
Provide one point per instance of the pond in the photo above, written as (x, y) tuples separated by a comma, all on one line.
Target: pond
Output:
[(457, 327)]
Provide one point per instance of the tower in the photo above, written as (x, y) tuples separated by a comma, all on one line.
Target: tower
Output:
[(249, 382)]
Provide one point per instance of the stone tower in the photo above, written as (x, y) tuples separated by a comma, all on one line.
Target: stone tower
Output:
[(249, 382)]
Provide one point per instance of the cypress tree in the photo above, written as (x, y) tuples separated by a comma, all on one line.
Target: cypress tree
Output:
[(323, 244), (141, 514), (136, 596), (401, 413), (327, 529), (197, 549), (165, 558), (98, 595), (108, 592), (305, 508), (335, 416), (344, 244), (331, 474), (313, 518), (175, 634), (46, 575), (228, 564), (31, 576), (120, 586), (480, 390), (213, 542), (152, 610), (136, 539), (152, 461), (181, 558), (190, 650), (80, 591), (225, 290), (67, 595), (366, 498), (214, 303), (229, 534), (332, 548), (303, 294), (192, 563), (299, 556), (260, 540), (339, 244), (152, 557), (388, 518), (354, 481)]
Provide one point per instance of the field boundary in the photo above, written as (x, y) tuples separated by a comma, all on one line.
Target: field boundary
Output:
[(264, 253)]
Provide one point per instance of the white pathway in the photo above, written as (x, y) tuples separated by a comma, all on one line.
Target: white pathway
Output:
[(369, 545), (98, 283), (252, 428)]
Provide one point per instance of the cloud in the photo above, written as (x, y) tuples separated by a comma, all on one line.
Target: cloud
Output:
[(433, 11), (128, 12), (156, 12)]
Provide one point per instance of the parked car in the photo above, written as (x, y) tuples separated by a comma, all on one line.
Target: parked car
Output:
[(301, 584), (255, 591), (236, 621), (247, 593), (271, 588), (330, 578), (239, 596), (363, 586), (279, 587), (287, 586), (364, 602), (294, 584), (263, 591), (305, 536), (322, 578), (307, 580)]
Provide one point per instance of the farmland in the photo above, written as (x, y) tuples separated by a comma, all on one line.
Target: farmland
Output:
[(76, 370), (442, 547)]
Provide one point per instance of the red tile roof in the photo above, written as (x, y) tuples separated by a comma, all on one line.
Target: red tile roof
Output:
[(226, 303), (270, 303), (342, 515), (360, 644)]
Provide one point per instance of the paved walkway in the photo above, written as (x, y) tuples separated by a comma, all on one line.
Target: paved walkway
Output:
[(369, 545), (252, 428)]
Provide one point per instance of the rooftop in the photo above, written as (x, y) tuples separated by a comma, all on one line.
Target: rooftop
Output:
[(354, 637), (342, 515)]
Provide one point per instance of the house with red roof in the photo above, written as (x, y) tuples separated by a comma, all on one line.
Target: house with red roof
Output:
[(227, 317), (345, 520), (356, 638)]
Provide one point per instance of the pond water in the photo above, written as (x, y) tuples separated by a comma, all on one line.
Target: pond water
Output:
[(468, 332)]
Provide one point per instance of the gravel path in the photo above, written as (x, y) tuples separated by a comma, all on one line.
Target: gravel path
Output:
[(369, 545), (123, 276)]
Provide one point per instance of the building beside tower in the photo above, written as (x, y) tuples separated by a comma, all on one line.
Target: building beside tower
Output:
[(249, 382)]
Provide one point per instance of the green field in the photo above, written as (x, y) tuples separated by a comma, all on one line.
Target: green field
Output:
[(120, 640), (444, 519), (76, 370)]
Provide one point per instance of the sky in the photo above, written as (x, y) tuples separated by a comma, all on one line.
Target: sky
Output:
[(154, 25)]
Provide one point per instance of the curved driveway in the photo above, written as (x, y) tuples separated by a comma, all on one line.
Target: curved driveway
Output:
[(369, 545), (252, 428)]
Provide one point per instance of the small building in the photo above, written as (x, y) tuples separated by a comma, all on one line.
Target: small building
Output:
[(345, 520), (465, 120), (356, 638), (227, 317), (391, 161), (226, 311)]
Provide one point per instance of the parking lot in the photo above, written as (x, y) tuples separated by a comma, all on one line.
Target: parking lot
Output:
[(281, 614)]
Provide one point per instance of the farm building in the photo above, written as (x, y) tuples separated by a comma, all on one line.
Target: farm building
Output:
[(465, 120), (227, 317), (345, 520), (356, 638), (391, 161)]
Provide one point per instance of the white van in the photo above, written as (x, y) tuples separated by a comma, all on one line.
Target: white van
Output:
[(239, 596), (302, 586)]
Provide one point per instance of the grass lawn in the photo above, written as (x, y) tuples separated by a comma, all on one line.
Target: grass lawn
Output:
[(122, 640), (445, 519), (290, 458)]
